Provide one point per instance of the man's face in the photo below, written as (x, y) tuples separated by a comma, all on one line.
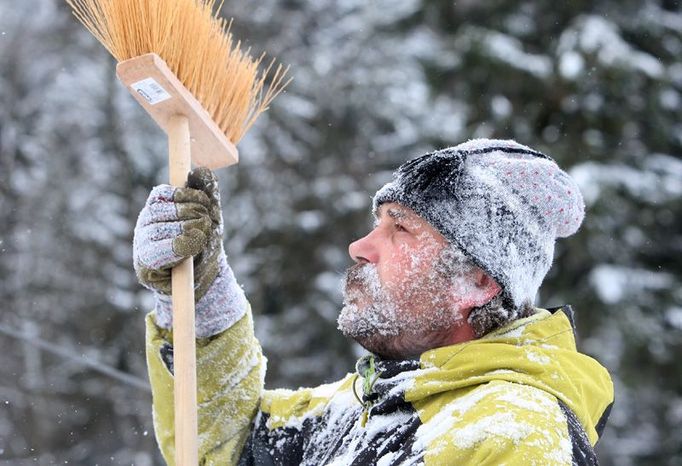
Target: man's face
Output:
[(407, 284)]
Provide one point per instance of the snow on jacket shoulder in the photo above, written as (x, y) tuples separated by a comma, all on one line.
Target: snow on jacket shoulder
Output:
[(521, 395)]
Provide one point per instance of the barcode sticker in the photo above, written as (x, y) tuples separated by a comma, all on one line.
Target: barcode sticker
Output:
[(151, 91)]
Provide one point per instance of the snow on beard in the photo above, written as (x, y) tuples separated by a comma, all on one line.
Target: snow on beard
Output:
[(417, 317)]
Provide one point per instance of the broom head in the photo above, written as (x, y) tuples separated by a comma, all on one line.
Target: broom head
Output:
[(158, 90), (179, 57)]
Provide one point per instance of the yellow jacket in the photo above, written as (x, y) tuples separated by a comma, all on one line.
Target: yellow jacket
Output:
[(521, 395)]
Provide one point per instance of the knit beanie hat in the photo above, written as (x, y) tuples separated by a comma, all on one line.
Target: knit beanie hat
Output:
[(502, 203)]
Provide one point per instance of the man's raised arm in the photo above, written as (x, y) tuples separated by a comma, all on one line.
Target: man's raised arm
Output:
[(174, 224)]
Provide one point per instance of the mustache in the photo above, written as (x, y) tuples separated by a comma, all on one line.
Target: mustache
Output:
[(355, 276)]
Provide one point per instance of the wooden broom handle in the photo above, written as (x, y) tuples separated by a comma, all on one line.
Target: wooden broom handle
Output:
[(184, 346)]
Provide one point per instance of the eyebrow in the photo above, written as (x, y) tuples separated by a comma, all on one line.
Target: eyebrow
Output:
[(392, 213), (396, 214)]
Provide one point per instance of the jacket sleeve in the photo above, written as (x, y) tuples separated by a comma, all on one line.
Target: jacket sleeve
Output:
[(230, 373)]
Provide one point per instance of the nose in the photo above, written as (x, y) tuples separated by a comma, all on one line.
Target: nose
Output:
[(364, 250)]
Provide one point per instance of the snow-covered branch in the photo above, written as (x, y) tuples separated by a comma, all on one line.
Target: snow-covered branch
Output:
[(69, 354)]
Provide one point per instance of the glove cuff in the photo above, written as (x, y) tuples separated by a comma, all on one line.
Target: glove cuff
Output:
[(163, 310), (223, 304)]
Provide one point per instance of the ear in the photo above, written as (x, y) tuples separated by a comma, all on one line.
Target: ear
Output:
[(484, 289), (486, 286)]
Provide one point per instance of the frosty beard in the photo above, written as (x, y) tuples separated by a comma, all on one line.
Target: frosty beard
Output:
[(421, 318)]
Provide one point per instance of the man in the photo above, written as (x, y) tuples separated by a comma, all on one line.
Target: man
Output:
[(462, 369)]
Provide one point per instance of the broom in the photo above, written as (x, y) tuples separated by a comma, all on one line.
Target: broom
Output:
[(180, 62)]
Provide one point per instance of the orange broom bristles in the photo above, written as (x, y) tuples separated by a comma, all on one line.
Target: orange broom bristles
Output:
[(197, 46)]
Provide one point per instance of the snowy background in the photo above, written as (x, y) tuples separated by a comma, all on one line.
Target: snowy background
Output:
[(595, 84)]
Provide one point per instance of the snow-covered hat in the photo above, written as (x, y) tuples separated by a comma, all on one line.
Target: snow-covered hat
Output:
[(502, 203)]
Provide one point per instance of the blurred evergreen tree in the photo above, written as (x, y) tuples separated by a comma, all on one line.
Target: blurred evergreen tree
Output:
[(596, 85)]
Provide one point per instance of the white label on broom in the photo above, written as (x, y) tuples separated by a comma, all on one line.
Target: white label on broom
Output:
[(151, 91)]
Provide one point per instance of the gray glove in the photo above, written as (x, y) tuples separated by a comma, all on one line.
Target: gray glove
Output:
[(177, 223)]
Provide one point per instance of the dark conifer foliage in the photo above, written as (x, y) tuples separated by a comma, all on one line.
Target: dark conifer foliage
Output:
[(595, 85)]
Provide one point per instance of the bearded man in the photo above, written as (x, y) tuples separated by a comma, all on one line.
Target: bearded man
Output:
[(462, 368)]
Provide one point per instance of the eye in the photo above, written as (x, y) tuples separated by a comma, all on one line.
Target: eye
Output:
[(399, 227)]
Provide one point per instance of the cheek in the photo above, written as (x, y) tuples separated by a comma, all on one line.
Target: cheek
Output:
[(418, 257), (407, 263), (404, 261)]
